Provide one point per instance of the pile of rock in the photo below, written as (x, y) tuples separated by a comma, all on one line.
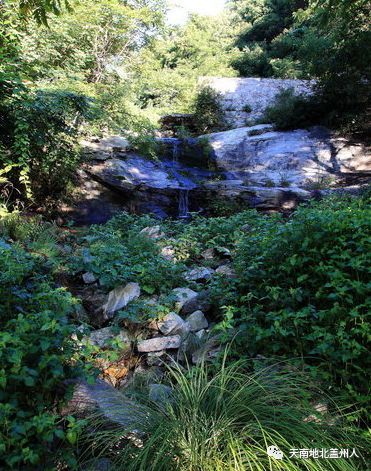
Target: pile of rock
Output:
[(181, 335)]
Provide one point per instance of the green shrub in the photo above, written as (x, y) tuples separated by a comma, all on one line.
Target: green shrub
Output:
[(219, 420), (117, 253), (190, 240), (304, 291), (37, 356), (18, 227), (209, 114), (39, 138), (247, 108), (291, 111), (253, 61)]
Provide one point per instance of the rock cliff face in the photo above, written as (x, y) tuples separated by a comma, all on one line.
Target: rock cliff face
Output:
[(260, 156), (246, 99), (256, 166)]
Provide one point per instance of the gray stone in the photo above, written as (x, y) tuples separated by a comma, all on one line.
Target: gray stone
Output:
[(263, 168), (290, 159), (121, 297), (209, 254), (257, 93), (199, 274), (171, 324), (191, 344), (160, 393), (153, 232), (159, 343), (201, 302), (197, 321), (100, 337), (200, 334), (183, 295), (168, 253), (209, 350), (156, 358), (227, 271), (89, 278), (114, 406), (102, 149), (139, 173)]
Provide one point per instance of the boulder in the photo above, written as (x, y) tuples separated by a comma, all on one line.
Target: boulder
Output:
[(191, 344), (256, 197), (173, 324), (289, 159), (101, 337), (200, 334), (199, 274), (153, 232), (201, 302), (183, 295), (160, 394), (246, 99), (156, 358), (209, 350), (113, 405), (227, 271), (89, 278), (136, 173), (197, 321), (103, 149), (168, 253), (120, 297), (209, 254), (159, 343), (255, 166)]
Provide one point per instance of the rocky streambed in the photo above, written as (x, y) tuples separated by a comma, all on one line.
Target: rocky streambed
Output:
[(184, 336)]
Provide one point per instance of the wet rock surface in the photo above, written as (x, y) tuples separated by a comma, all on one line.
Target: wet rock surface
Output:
[(255, 165)]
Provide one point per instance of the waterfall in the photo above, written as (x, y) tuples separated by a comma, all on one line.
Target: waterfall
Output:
[(183, 211), (176, 150)]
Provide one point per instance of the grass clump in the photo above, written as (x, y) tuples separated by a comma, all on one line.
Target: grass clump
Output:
[(222, 421)]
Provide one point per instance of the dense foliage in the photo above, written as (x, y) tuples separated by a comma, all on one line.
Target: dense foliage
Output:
[(59, 77), (326, 40), (301, 294), (119, 253), (37, 353), (303, 290)]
